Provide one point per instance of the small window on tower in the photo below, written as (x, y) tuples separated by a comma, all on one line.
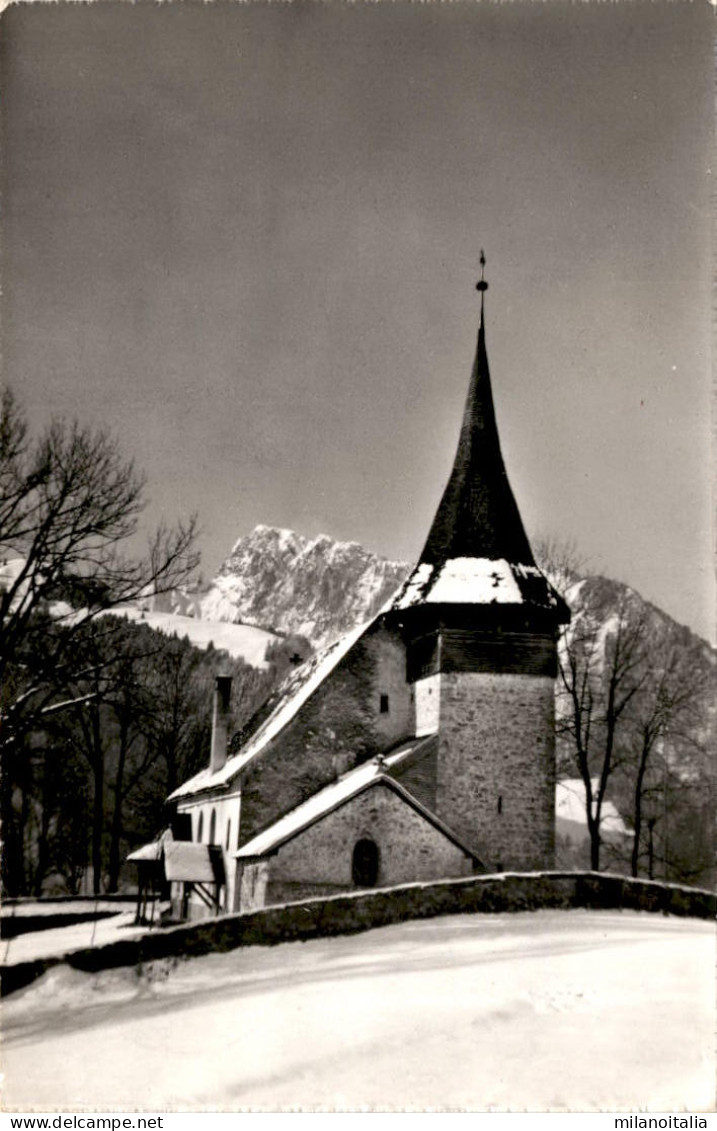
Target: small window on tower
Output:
[(229, 833), (384, 704), (500, 804)]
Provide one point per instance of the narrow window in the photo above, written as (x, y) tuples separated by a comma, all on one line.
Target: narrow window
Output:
[(213, 826), (384, 704), (500, 803), (200, 827), (229, 833), (364, 866)]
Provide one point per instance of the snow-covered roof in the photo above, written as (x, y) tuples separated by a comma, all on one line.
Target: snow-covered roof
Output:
[(366, 776), (151, 851), (292, 695), (401, 754), (154, 850), (570, 805), (477, 581)]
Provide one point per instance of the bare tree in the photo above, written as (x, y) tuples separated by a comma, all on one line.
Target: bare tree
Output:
[(600, 672), (69, 503), (631, 690), (561, 560), (667, 756)]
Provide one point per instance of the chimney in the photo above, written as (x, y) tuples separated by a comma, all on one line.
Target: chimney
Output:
[(220, 722)]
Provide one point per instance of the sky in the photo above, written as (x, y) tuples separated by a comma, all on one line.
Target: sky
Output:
[(245, 236)]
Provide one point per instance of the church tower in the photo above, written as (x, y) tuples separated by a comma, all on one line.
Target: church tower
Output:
[(480, 623)]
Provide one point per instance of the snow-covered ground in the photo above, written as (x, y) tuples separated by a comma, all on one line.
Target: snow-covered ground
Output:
[(549, 1010), (75, 936)]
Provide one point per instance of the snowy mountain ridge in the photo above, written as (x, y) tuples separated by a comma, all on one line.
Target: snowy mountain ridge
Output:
[(287, 583)]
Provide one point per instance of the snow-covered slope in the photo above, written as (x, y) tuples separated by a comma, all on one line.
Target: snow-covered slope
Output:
[(316, 587), (242, 641), (536, 1010)]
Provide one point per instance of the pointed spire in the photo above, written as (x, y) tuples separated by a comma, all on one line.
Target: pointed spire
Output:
[(478, 516)]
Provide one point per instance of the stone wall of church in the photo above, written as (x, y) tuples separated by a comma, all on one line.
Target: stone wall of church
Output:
[(496, 767), (340, 726), (386, 654), (319, 860), (427, 704)]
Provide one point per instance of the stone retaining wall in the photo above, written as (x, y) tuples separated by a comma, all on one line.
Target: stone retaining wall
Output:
[(346, 914)]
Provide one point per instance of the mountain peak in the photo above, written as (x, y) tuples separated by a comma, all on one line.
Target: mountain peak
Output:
[(317, 587)]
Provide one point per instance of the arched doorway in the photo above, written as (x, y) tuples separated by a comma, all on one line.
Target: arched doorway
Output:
[(364, 865)]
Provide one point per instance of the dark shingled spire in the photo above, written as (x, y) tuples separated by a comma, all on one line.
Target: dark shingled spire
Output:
[(478, 516)]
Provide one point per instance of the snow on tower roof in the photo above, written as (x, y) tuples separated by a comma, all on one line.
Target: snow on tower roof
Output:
[(479, 581)]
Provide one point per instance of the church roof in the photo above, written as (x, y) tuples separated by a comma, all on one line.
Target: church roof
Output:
[(478, 516), (147, 852), (478, 581), (366, 776), (477, 551), (292, 694), (398, 756)]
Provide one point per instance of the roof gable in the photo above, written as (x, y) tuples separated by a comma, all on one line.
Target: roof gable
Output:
[(367, 776), (292, 694)]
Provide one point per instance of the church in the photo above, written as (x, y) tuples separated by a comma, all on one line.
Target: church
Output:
[(421, 746)]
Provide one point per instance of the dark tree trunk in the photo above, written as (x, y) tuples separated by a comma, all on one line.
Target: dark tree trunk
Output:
[(651, 848), (637, 811), (595, 847), (113, 868), (13, 854), (98, 809)]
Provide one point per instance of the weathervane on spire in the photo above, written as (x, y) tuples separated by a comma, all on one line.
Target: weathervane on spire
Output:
[(481, 285)]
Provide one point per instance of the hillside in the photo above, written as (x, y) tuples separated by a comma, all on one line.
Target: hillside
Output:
[(241, 641)]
